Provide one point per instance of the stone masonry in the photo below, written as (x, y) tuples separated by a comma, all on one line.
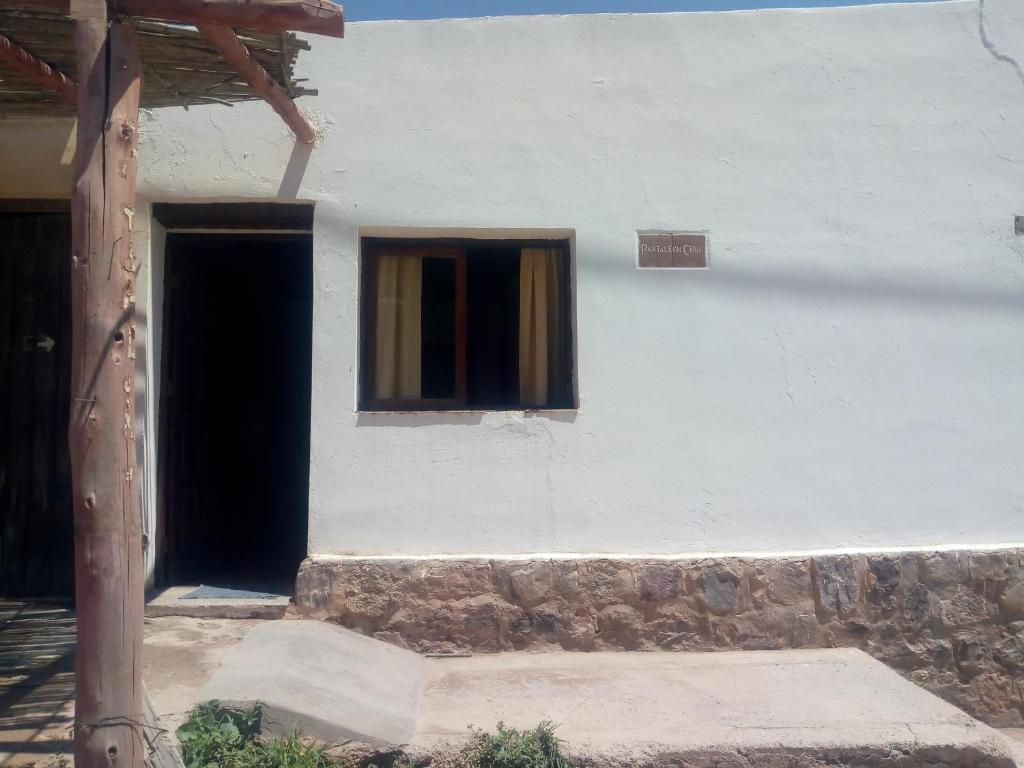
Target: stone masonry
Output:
[(950, 621)]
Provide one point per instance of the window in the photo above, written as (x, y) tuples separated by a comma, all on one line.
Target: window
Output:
[(475, 324)]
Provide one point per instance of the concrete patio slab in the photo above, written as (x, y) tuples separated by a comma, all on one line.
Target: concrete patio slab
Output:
[(807, 707), (1016, 743), (794, 708)]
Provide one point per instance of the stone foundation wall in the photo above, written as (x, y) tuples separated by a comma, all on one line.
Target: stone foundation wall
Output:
[(951, 621)]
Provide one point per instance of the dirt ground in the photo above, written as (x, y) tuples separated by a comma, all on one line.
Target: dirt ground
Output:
[(179, 657), (37, 679)]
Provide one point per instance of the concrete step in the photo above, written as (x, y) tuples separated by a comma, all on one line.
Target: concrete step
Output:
[(334, 684), (836, 707), (172, 601)]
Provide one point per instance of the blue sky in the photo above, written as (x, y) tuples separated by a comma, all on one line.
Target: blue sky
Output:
[(358, 10)]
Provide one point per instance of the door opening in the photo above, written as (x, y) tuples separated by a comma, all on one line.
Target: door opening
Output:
[(235, 408), (36, 527)]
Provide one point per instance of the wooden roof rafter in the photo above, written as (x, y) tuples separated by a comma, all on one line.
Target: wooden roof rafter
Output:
[(224, 39), (320, 17), (25, 62), (183, 67)]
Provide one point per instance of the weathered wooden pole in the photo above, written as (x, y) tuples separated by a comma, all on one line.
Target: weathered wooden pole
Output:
[(109, 576)]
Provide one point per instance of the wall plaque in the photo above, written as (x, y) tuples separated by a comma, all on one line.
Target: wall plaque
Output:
[(84, 10), (672, 250)]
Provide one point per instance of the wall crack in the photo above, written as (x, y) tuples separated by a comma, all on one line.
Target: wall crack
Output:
[(785, 368), (992, 48)]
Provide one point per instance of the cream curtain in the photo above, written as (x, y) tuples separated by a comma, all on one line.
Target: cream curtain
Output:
[(540, 323), (399, 329)]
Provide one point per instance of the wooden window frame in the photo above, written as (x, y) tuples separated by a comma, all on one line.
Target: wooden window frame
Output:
[(368, 347), (372, 248)]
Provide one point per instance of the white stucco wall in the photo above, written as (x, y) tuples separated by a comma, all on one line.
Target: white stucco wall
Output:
[(847, 374)]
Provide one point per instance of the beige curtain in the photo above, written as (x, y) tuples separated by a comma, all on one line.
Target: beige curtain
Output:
[(399, 331), (540, 324)]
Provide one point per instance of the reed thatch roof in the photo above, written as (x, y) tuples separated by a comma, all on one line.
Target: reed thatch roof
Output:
[(180, 68)]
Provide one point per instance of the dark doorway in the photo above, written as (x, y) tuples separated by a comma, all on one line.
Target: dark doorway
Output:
[(235, 403), (36, 529)]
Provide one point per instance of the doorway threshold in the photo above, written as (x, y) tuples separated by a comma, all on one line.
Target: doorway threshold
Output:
[(200, 602)]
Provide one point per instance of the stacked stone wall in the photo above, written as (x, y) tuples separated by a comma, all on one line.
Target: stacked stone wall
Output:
[(951, 621)]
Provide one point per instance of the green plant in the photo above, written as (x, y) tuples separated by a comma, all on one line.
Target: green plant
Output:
[(213, 735), (288, 752), (513, 748)]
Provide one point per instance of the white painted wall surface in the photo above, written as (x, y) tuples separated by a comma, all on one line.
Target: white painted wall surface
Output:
[(849, 373)]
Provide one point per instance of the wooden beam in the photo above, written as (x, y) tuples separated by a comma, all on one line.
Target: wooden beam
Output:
[(23, 61), (321, 17), (318, 17), (234, 52), (109, 572), (51, 6)]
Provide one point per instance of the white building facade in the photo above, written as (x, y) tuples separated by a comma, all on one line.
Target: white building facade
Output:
[(815, 439)]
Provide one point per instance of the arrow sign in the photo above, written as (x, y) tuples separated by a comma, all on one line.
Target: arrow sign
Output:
[(46, 344)]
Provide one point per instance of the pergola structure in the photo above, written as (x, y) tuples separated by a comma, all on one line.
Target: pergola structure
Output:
[(90, 58)]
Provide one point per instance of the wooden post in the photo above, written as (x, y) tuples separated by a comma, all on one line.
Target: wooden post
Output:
[(109, 575)]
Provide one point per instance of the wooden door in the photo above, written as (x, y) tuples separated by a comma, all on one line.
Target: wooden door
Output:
[(36, 527)]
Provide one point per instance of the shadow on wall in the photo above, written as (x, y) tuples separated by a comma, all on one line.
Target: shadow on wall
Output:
[(291, 182), (456, 418), (419, 419), (871, 289), (813, 284)]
